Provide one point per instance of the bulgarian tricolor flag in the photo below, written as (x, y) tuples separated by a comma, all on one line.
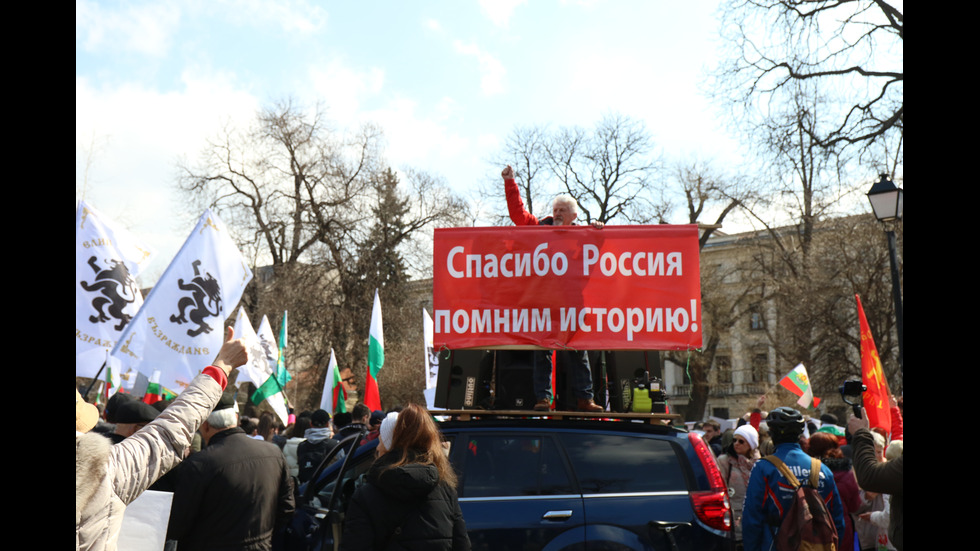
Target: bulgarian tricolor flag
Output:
[(798, 383), (376, 357), (154, 392), (334, 394)]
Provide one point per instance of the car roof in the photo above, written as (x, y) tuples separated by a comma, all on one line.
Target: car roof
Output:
[(457, 420)]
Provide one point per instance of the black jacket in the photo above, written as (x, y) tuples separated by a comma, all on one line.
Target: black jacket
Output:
[(404, 507), (233, 494)]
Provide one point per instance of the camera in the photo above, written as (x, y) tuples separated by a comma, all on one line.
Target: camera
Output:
[(853, 389)]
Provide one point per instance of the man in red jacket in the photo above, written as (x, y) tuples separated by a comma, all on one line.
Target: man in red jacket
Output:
[(564, 211)]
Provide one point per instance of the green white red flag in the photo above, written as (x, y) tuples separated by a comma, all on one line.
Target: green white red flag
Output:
[(334, 396), (798, 383), (154, 392), (876, 398), (376, 357)]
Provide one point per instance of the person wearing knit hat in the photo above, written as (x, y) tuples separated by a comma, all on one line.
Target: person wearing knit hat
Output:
[(387, 432), (736, 466), (409, 499)]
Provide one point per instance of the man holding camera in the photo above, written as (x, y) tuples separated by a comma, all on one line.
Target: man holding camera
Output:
[(872, 476)]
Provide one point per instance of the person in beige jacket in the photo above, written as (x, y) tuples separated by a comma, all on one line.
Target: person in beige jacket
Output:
[(109, 477)]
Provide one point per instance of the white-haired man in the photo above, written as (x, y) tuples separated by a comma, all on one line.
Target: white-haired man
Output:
[(564, 211), (233, 494)]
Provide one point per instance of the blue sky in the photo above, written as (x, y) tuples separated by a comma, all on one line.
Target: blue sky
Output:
[(446, 80)]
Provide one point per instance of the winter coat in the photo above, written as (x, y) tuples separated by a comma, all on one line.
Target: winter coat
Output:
[(233, 494), (109, 477), (735, 471), (289, 451), (886, 478), (850, 496), (769, 494), (404, 507)]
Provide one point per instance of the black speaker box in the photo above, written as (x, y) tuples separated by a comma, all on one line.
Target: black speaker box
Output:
[(515, 383), (464, 379)]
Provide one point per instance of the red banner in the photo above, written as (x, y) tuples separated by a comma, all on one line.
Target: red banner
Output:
[(577, 287), (876, 398)]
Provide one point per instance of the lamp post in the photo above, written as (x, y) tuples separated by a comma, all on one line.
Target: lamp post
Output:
[(887, 202)]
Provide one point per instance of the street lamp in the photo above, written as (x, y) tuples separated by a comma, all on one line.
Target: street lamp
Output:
[(887, 202)]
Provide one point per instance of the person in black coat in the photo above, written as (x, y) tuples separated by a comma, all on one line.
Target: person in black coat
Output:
[(235, 493), (409, 500)]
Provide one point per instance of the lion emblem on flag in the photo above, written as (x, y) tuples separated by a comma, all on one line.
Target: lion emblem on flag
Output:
[(204, 301), (117, 290)]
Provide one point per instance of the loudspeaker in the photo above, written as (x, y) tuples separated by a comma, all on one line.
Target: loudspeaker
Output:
[(515, 379), (464, 379)]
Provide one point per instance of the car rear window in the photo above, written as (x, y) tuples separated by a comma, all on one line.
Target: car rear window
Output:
[(610, 463)]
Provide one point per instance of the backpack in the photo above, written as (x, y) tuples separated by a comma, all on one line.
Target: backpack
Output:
[(806, 524), (309, 455)]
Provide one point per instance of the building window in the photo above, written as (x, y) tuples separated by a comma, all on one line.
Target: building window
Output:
[(760, 368), (756, 320), (724, 365)]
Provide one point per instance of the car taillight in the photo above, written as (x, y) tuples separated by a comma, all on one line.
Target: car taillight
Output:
[(712, 506)]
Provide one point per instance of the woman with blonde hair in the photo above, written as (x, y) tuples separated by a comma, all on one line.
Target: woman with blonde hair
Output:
[(409, 500)]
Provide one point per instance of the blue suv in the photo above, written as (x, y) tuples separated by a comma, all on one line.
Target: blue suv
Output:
[(540, 483)]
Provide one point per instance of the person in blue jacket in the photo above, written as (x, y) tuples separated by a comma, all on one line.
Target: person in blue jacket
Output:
[(769, 494)]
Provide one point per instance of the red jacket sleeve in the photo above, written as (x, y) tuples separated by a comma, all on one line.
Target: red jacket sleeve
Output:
[(515, 206), (897, 429)]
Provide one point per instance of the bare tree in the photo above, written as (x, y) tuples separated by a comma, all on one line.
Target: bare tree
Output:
[(851, 46), (608, 170), (706, 193), (327, 220)]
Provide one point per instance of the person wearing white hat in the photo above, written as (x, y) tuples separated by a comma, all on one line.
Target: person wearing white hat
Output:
[(109, 477), (736, 465)]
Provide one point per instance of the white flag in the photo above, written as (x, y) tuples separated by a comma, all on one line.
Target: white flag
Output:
[(180, 328), (257, 365), (107, 260), (267, 366), (431, 357)]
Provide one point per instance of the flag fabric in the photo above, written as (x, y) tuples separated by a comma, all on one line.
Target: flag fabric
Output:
[(257, 369), (376, 357), (180, 327), (265, 366), (431, 357), (274, 386), (334, 394), (798, 383), (153, 393), (876, 398), (108, 258)]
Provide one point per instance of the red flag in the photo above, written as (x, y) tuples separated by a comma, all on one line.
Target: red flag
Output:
[(876, 403)]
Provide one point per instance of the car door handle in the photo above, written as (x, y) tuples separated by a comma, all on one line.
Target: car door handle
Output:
[(557, 515)]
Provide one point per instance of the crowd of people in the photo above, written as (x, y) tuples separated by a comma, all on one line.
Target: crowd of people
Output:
[(860, 477), (235, 479)]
